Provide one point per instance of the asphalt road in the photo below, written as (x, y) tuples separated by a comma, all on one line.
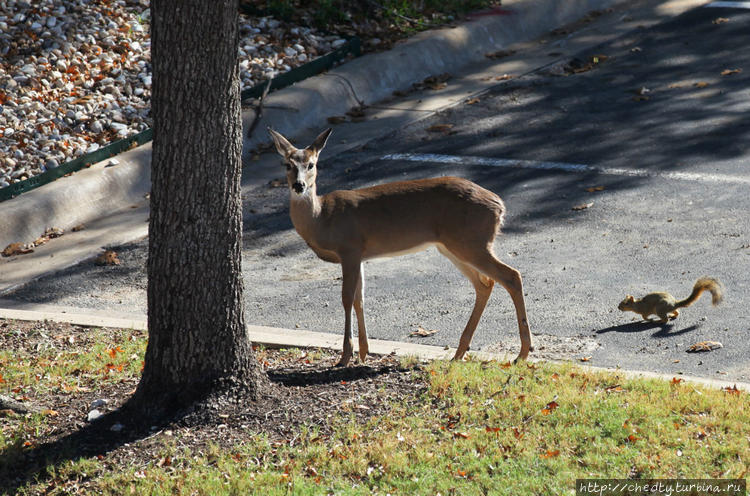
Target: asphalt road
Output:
[(653, 127)]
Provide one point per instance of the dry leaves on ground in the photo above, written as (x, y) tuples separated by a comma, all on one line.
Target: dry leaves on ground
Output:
[(583, 206), (705, 346), (422, 332), (109, 257)]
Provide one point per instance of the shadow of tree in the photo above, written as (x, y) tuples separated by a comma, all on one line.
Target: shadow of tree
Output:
[(20, 466)]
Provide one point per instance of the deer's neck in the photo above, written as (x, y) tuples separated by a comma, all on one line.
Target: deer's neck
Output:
[(305, 212)]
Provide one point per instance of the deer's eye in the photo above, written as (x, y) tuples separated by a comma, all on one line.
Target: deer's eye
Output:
[(288, 166), (310, 165)]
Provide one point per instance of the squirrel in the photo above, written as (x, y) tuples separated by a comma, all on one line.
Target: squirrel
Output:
[(665, 305)]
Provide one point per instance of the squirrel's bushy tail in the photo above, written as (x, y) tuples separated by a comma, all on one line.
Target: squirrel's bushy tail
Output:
[(701, 285)]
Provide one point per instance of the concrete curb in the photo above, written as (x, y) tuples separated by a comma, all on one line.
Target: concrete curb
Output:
[(373, 78), (276, 337), (102, 189)]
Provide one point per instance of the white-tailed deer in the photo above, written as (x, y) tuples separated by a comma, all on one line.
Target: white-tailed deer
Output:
[(455, 215)]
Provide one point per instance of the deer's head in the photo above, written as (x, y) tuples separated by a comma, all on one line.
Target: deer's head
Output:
[(301, 164)]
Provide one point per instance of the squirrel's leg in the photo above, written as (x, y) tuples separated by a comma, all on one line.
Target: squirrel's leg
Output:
[(664, 317)]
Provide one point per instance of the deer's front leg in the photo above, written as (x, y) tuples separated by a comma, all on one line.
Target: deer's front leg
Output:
[(350, 272), (359, 310)]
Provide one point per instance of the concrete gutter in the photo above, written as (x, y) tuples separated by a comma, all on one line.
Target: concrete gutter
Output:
[(375, 77), (104, 188), (275, 337)]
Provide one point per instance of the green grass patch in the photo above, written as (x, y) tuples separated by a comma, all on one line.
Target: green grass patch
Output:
[(480, 428)]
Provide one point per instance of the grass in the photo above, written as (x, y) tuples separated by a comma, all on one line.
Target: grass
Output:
[(481, 428), (51, 369)]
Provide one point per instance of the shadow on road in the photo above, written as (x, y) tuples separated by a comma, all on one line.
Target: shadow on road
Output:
[(665, 330)]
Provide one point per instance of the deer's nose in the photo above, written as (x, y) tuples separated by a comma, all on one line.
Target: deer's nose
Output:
[(298, 187)]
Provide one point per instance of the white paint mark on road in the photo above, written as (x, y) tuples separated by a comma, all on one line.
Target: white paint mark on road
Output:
[(563, 166), (731, 5)]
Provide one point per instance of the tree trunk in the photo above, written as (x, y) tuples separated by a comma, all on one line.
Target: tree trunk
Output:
[(198, 342)]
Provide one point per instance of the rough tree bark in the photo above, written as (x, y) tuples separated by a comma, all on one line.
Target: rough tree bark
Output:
[(198, 342)]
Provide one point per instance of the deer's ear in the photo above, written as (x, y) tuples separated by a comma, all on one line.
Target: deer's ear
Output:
[(282, 144), (320, 141)]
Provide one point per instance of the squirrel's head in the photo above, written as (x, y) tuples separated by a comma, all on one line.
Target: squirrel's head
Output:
[(626, 303)]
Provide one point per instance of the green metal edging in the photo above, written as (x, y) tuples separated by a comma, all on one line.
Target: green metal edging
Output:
[(76, 164), (353, 46)]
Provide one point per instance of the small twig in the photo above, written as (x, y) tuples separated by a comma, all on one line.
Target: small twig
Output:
[(351, 88), (259, 110)]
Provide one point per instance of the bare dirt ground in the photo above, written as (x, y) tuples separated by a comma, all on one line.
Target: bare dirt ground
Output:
[(305, 391)]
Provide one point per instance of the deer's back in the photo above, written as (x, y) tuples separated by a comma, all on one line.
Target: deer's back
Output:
[(407, 215)]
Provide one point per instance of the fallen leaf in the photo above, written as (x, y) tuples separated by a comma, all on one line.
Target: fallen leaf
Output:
[(720, 20), (576, 65), (583, 206), (433, 82), (614, 389), (701, 84), (472, 101), (337, 119), (440, 128), (50, 413), (109, 257), (729, 72), (676, 381), (499, 54), (731, 390), (356, 112), (705, 346), (504, 77), (550, 454), (16, 249), (632, 438), (549, 408), (585, 359), (462, 435), (53, 232), (40, 241), (422, 332), (492, 429), (594, 188)]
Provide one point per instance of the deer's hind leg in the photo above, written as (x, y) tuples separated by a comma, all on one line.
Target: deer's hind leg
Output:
[(484, 260), (359, 310), (483, 286)]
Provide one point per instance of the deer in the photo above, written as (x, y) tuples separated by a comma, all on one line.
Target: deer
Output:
[(458, 217)]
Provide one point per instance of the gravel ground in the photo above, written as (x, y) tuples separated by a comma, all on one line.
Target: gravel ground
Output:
[(75, 75)]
